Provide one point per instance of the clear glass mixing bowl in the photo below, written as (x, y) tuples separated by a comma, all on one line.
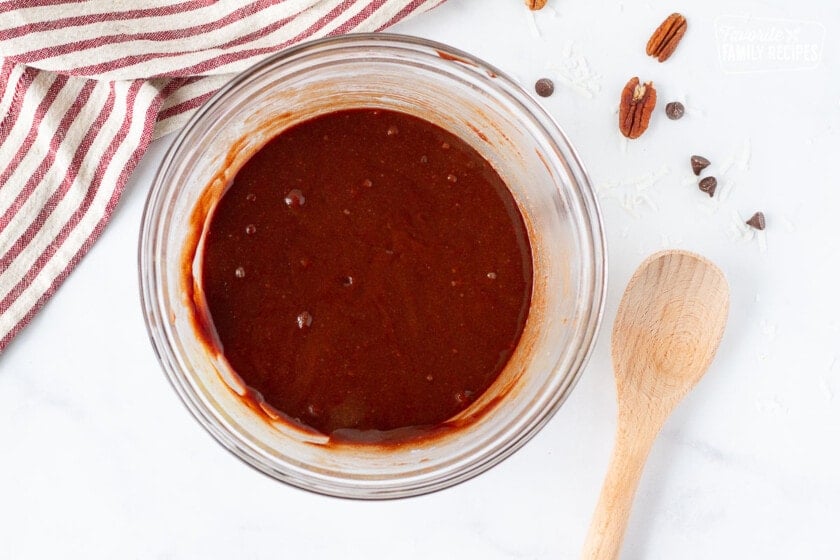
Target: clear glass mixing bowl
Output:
[(508, 127)]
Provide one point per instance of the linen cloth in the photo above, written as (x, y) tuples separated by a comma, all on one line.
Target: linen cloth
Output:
[(86, 85)]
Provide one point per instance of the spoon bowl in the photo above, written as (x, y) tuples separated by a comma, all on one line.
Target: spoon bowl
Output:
[(668, 327)]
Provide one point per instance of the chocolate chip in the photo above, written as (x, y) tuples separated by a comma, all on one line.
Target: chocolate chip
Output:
[(757, 221), (708, 185), (544, 87), (698, 164), (675, 110)]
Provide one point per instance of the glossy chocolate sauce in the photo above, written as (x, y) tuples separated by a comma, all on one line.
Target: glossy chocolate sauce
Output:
[(367, 270)]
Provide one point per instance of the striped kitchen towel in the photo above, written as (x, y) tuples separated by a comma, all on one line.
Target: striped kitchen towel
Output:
[(85, 85)]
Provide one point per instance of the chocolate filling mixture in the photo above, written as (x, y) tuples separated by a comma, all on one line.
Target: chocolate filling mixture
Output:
[(367, 270)]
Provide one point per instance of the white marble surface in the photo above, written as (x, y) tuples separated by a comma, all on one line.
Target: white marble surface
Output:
[(99, 459)]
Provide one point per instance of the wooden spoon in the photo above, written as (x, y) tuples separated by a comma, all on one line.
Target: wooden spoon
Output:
[(668, 328)]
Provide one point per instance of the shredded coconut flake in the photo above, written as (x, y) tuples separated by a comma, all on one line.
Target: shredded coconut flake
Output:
[(725, 189), (635, 192), (574, 71), (532, 24), (692, 108), (826, 388), (787, 224), (742, 160), (768, 329), (745, 156), (773, 406), (762, 241), (670, 240), (739, 230)]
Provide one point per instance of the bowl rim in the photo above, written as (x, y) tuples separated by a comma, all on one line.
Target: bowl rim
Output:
[(594, 230)]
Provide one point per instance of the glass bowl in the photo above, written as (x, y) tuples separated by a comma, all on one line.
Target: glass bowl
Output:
[(463, 95)]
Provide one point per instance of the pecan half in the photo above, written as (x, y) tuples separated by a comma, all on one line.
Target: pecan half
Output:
[(666, 37), (536, 4), (637, 103)]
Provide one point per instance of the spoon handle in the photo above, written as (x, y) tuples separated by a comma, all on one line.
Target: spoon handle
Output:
[(632, 445)]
